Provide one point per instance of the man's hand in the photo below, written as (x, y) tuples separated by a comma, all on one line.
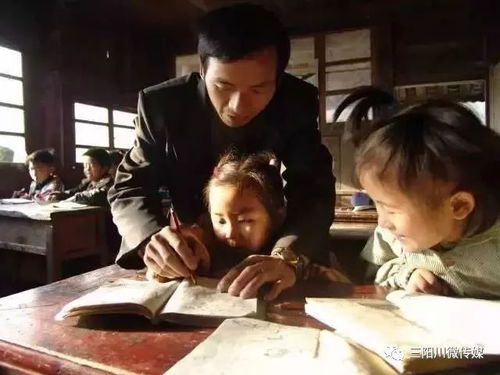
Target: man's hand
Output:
[(173, 254), (246, 278), (424, 281)]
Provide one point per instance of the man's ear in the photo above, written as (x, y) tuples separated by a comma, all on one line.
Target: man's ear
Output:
[(462, 204)]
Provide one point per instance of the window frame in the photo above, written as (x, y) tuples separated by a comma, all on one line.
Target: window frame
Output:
[(110, 125), (15, 106)]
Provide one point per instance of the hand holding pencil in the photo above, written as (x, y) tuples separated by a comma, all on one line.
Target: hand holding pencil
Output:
[(176, 251), (176, 225)]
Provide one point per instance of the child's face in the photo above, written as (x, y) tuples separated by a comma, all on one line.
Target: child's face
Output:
[(239, 218), (416, 225), (39, 172), (92, 169)]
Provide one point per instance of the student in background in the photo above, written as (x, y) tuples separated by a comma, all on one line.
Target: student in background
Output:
[(42, 168), (116, 157), (94, 187), (432, 171), (247, 209)]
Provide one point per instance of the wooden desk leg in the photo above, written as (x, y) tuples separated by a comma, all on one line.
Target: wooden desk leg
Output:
[(54, 266), (102, 243)]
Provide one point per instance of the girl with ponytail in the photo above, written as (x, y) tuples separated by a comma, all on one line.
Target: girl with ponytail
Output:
[(432, 171)]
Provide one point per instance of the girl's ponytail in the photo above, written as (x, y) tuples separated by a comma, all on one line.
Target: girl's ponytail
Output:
[(357, 127)]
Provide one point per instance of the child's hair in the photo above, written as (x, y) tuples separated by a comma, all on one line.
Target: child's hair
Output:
[(437, 142), (42, 156), (100, 155), (259, 172), (116, 156)]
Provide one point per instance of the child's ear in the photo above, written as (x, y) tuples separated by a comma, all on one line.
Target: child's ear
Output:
[(462, 204)]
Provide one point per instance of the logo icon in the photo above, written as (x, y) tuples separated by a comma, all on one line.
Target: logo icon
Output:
[(393, 352)]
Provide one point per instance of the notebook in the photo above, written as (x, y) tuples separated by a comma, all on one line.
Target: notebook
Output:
[(416, 333), (176, 301), (246, 346)]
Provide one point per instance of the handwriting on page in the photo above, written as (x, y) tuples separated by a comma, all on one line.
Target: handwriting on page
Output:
[(204, 299)]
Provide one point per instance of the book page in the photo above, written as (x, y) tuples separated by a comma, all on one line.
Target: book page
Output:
[(249, 346), (203, 300), (470, 320), (378, 326), (121, 296), (15, 201)]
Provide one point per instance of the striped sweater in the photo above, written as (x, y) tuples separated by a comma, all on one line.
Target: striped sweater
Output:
[(470, 267)]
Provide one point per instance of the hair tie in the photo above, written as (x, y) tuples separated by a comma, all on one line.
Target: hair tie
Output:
[(275, 163)]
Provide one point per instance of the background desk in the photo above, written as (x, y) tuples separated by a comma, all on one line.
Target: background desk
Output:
[(347, 239), (345, 230), (57, 234)]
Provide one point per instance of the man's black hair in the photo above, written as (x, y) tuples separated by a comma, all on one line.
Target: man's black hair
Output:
[(236, 31)]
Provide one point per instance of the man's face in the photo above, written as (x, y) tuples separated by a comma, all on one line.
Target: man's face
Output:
[(239, 90)]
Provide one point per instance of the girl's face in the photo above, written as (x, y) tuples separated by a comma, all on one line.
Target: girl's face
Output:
[(239, 218), (416, 225), (39, 172)]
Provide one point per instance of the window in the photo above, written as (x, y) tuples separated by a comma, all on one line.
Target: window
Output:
[(103, 127), (123, 129), (186, 64), (471, 94), (12, 141), (347, 67)]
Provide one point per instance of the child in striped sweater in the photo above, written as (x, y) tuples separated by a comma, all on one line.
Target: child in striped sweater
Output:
[(432, 171)]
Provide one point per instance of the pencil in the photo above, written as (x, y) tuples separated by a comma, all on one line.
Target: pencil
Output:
[(176, 226)]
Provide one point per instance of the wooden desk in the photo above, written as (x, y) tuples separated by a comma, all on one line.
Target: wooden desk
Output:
[(351, 230), (353, 225), (31, 340), (57, 234)]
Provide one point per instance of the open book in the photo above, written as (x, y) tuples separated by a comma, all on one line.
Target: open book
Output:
[(174, 301), (416, 333), (249, 346)]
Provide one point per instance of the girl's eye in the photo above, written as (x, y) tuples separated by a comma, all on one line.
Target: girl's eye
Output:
[(245, 221), (222, 221)]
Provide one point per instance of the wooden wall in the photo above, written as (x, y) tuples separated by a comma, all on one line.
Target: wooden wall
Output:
[(65, 60), (65, 56)]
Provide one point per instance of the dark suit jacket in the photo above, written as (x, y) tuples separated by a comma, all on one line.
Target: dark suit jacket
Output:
[(90, 192), (178, 141)]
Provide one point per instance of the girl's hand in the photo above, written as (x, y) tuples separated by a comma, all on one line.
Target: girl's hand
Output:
[(55, 196), (246, 278), (19, 193), (424, 281)]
